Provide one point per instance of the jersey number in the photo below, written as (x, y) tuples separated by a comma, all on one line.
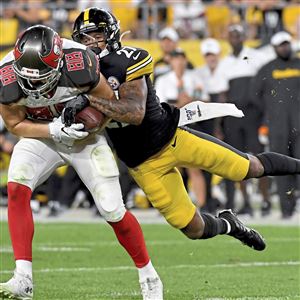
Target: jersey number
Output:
[(74, 61), (7, 75), (128, 51)]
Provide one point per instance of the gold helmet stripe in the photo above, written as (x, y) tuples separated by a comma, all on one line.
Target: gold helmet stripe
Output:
[(86, 16)]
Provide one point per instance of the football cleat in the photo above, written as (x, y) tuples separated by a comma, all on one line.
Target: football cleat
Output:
[(152, 289), (247, 236), (19, 287)]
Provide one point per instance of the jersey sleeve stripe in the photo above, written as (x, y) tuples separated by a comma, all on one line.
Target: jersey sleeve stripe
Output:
[(139, 63), (139, 66), (147, 69)]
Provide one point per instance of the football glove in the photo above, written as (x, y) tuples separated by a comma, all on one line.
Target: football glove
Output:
[(66, 135), (72, 108)]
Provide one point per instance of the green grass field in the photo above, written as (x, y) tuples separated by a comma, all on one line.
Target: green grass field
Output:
[(84, 261)]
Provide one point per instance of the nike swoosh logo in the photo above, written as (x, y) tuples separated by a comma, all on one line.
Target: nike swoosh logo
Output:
[(174, 144), (89, 61), (137, 56), (63, 130)]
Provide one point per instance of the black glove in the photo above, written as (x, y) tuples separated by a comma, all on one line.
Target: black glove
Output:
[(72, 108)]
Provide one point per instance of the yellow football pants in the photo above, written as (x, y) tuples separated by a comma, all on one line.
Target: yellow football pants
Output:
[(162, 183)]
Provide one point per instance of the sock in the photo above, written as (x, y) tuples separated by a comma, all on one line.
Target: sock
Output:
[(147, 271), (130, 236), (20, 220), (24, 267), (276, 164), (213, 226)]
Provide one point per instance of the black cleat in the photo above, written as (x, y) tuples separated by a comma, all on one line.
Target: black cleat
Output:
[(247, 236)]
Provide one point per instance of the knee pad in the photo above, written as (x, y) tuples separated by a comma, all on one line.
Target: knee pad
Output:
[(22, 173), (104, 161), (108, 199)]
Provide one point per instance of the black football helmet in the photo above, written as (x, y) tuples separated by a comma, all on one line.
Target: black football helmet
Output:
[(38, 54), (98, 20)]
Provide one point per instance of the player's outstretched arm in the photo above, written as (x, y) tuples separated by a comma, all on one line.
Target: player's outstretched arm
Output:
[(131, 106)]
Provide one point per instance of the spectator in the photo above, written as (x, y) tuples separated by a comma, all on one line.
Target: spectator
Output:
[(152, 17), (59, 15), (189, 18), (276, 88), (179, 86), (240, 67), (168, 43), (26, 11), (266, 19), (211, 73), (214, 83)]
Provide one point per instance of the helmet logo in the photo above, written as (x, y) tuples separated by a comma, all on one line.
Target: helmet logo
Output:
[(53, 58), (56, 50)]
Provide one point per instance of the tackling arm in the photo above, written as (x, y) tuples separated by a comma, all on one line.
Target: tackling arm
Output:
[(131, 106)]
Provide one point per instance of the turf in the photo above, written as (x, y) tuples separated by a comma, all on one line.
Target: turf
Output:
[(84, 261)]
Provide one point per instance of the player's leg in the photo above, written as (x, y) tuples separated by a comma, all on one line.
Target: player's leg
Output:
[(96, 166), (215, 156), (167, 199), (32, 162), (167, 193)]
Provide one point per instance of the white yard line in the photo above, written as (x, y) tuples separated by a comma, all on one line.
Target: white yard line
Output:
[(125, 268), (82, 247)]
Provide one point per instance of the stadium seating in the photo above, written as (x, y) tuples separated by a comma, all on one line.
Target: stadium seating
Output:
[(291, 19)]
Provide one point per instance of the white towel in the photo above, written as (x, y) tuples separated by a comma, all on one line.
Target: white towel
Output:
[(200, 111)]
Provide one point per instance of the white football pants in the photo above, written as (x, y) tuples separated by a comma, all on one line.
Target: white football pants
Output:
[(34, 160)]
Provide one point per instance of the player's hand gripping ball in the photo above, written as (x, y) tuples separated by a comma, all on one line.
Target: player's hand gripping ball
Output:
[(78, 110)]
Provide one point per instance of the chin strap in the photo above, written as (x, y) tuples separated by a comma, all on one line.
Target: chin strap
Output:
[(103, 53)]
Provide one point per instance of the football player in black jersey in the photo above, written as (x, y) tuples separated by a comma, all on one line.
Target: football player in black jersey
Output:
[(39, 78), (146, 137)]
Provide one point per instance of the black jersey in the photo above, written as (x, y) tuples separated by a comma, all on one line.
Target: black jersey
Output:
[(135, 144), (276, 89), (79, 74)]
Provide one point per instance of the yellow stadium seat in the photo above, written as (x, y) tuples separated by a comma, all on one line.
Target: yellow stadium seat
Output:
[(170, 15), (73, 14), (218, 18), (126, 13), (9, 31), (44, 14), (291, 16), (254, 16)]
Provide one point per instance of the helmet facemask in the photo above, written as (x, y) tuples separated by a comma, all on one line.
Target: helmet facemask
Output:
[(36, 85)]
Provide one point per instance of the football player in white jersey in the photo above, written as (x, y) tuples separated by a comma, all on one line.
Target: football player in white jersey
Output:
[(38, 79)]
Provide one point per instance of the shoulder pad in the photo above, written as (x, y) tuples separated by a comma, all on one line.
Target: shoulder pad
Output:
[(140, 63), (10, 91), (81, 66)]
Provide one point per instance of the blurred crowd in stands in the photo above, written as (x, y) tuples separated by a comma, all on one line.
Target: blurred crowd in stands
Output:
[(263, 82)]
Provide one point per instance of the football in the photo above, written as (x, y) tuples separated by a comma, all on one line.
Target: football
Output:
[(91, 118)]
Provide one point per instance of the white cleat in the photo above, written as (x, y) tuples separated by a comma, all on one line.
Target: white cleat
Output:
[(152, 289), (19, 287)]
